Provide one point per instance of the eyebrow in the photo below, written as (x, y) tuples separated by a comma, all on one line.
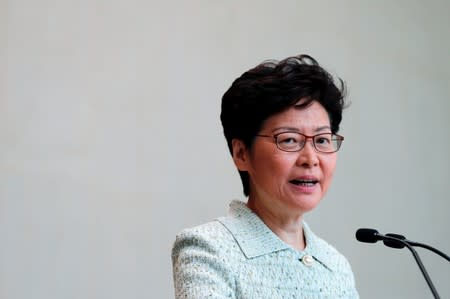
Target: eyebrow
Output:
[(293, 129)]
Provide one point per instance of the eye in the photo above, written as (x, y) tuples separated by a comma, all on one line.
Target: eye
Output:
[(289, 141), (288, 138), (323, 139)]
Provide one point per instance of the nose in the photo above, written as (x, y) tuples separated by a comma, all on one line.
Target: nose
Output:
[(307, 156)]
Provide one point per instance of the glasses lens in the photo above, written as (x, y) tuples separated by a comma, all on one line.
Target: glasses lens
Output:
[(290, 141), (327, 142)]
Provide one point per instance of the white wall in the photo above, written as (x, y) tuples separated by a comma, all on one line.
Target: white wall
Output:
[(111, 140)]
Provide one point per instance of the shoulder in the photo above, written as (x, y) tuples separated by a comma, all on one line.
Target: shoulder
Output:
[(202, 257), (212, 235)]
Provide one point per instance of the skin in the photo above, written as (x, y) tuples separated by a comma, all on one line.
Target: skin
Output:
[(273, 197)]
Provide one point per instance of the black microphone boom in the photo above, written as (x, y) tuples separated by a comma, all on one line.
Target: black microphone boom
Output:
[(417, 244), (368, 235)]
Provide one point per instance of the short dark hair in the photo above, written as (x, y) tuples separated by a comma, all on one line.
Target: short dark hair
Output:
[(272, 87)]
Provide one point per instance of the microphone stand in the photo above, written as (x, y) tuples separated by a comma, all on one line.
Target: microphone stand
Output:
[(419, 262), (412, 243), (429, 248)]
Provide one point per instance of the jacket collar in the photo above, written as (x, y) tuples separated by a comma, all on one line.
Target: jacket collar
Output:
[(255, 238)]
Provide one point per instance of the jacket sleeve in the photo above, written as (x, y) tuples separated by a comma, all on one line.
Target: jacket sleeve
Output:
[(199, 270)]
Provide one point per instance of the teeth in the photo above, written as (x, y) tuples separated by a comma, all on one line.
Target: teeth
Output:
[(304, 182)]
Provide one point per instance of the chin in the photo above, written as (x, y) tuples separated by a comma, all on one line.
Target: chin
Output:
[(305, 204)]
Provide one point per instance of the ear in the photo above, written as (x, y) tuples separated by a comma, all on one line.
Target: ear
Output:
[(240, 154)]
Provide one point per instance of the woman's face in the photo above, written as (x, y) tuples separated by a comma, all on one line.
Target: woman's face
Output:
[(293, 182)]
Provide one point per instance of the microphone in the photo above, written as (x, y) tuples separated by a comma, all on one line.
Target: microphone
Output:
[(369, 235), (395, 244)]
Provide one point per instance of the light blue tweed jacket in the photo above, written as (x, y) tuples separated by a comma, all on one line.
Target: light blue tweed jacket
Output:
[(240, 257)]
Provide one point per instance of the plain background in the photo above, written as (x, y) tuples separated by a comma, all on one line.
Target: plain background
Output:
[(111, 141)]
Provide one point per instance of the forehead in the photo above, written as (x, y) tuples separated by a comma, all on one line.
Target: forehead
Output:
[(310, 117)]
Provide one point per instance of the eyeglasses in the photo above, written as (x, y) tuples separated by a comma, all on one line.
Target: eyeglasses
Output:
[(294, 141)]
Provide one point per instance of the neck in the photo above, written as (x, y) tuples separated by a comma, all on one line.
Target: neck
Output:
[(287, 226)]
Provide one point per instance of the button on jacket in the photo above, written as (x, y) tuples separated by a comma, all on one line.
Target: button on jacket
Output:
[(238, 256)]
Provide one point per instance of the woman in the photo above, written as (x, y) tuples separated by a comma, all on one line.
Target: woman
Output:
[(280, 120)]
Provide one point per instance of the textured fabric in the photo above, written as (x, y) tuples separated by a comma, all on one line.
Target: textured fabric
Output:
[(240, 257)]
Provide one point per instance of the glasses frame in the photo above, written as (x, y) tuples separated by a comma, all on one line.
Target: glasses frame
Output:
[(339, 139)]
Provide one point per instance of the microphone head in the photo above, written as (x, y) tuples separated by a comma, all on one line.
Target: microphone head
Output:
[(367, 235)]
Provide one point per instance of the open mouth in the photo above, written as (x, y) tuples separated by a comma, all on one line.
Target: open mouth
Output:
[(307, 183)]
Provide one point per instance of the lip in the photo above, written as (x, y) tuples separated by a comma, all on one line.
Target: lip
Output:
[(306, 189), (306, 177)]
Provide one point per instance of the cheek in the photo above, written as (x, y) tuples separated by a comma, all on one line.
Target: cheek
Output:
[(328, 167), (281, 165), (273, 167)]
